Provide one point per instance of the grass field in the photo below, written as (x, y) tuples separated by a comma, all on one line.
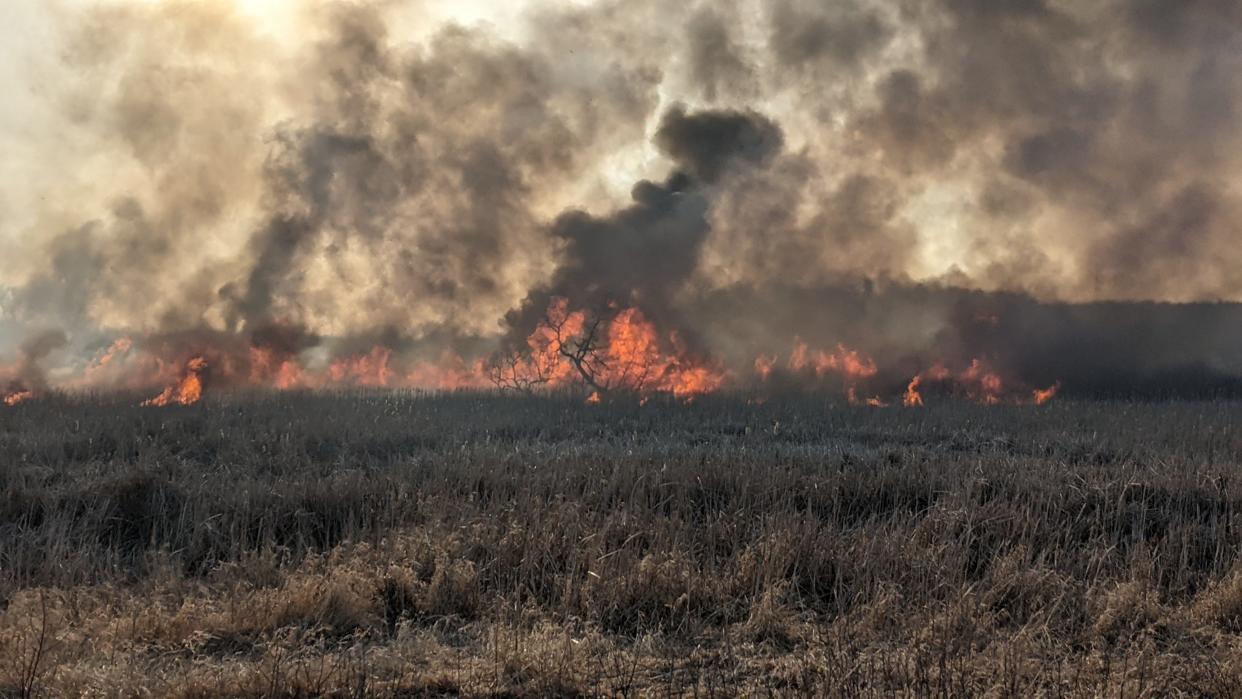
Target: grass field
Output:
[(297, 545)]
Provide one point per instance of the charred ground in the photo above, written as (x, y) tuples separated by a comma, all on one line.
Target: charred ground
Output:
[(398, 544)]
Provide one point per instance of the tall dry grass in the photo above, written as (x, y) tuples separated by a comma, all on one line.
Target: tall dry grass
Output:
[(380, 544)]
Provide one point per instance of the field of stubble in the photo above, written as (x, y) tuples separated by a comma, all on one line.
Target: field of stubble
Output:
[(388, 545)]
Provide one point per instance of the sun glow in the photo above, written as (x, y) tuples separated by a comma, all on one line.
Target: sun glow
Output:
[(281, 16)]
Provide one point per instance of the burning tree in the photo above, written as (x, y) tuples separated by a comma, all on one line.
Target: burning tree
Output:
[(614, 350)]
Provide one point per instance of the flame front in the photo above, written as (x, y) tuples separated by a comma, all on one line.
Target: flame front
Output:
[(616, 351), (19, 396), (847, 362), (625, 354), (764, 365), (187, 391), (912, 397), (636, 362), (977, 382), (850, 365), (118, 348), (371, 369), (267, 367), (449, 373), (1042, 396)]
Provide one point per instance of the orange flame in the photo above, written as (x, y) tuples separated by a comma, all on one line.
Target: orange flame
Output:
[(283, 373), (634, 360), (186, 391), (913, 398), (764, 365), (544, 364), (104, 368), (981, 385), (450, 373), (693, 381), (118, 347), (627, 355), (266, 366), (19, 396), (1042, 396), (977, 382), (851, 365), (843, 360), (369, 369)]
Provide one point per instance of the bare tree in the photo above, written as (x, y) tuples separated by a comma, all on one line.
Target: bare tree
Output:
[(564, 346), (582, 349), (516, 370)]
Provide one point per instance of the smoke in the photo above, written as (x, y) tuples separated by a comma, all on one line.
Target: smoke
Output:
[(1102, 349), (706, 143), (646, 252), (871, 172), (28, 373)]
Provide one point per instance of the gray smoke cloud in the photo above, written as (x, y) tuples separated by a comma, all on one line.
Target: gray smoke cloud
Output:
[(28, 374), (745, 172)]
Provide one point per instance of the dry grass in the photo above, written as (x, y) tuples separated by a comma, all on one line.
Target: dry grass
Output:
[(401, 545)]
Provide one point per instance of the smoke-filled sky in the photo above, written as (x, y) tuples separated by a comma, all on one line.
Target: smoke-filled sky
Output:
[(435, 171)]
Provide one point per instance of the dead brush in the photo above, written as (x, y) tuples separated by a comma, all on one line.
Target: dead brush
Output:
[(1220, 605), (28, 645), (1124, 609), (1022, 591), (772, 619), (453, 590), (658, 592), (469, 544)]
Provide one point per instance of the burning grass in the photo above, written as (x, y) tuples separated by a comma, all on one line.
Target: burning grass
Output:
[(395, 544), (604, 354)]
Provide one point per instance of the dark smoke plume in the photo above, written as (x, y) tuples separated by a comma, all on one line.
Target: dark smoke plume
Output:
[(646, 252)]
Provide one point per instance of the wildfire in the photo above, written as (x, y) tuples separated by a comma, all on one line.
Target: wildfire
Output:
[(845, 361), (449, 373), (18, 396), (981, 385), (976, 382), (624, 353), (912, 397), (119, 347), (687, 382), (764, 365), (620, 353), (1042, 396), (369, 369), (635, 361), (188, 390), (268, 367), (613, 351), (852, 366)]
